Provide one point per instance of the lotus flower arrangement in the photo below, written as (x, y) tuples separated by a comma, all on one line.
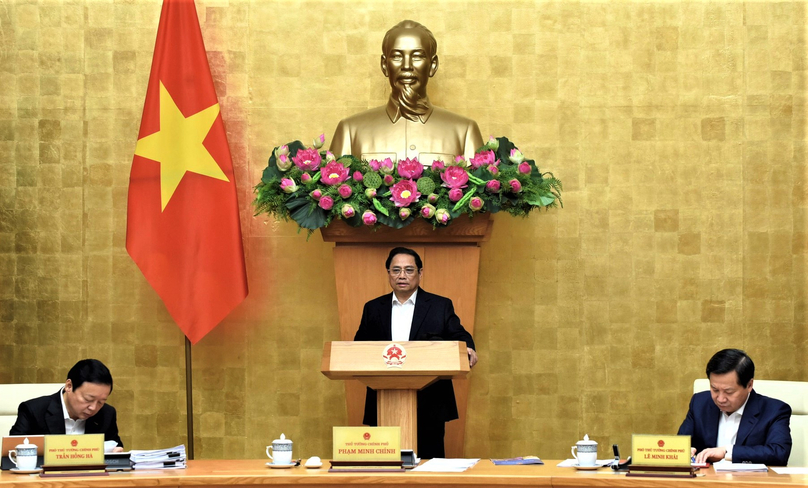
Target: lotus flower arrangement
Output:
[(313, 187)]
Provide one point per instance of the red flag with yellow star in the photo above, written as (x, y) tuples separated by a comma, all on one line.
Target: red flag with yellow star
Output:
[(183, 228)]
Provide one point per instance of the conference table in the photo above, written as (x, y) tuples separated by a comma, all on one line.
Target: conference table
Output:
[(254, 473)]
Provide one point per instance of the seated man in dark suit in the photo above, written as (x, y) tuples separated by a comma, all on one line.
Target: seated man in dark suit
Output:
[(411, 314), (732, 422), (78, 408)]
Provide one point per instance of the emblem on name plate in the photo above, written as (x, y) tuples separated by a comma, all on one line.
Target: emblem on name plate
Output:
[(394, 355)]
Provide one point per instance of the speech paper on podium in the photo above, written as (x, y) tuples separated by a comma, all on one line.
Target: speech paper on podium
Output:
[(447, 465)]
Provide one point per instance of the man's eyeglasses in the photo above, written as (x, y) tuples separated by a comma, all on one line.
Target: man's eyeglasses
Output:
[(409, 271)]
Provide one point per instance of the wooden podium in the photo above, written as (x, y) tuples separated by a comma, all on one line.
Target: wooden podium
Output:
[(451, 258), (396, 386)]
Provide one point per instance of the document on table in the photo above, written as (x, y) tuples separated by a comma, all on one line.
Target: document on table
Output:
[(790, 470), (573, 463), (725, 467), (171, 458), (517, 461), (448, 465)]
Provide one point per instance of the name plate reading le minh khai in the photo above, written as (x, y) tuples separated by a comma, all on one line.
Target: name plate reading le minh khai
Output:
[(367, 443), (74, 450), (660, 450)]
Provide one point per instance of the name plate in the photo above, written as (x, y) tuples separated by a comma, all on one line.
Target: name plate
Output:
[(74, 450), (367, 444), (660, 450)]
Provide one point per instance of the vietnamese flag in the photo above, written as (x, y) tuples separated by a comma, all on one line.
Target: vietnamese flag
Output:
[(182, 227)]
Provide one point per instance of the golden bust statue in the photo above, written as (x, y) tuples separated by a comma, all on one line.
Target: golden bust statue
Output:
[(409, 125)]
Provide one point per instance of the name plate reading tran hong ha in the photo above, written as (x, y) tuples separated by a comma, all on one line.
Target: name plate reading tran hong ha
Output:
[(367, 444), (74, 450)]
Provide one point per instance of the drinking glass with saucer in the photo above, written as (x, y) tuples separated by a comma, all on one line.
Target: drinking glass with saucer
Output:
[(281, 453), (24, 458), (587, 456)]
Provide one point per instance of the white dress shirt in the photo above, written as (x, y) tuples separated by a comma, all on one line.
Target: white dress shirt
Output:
[(71, 426), (401, 317), (728, 429)]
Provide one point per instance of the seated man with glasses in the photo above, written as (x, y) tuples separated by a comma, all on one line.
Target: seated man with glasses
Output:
[(80, 407), (412, 314)]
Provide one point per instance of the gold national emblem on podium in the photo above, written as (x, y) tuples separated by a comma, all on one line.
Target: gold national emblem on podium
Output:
[(394, 355)]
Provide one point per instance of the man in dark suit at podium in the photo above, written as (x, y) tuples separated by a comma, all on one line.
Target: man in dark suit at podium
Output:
[(78, 408), (732, 421), (411, 314)]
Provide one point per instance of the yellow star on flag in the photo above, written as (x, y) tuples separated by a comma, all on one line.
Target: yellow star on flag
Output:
[(178, 147)]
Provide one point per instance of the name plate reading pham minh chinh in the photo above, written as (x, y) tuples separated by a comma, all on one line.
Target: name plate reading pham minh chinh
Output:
[(74, 450), (660, 450), (367, 444)]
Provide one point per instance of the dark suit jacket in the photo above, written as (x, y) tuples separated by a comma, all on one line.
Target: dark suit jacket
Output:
[(764, 435), (44, 415), (433, 319)]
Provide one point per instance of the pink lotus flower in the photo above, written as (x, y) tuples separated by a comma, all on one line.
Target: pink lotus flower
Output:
[(305, 178), (404, 213), (348, 211), (386, 166), (405, 193), (329, 156), (357, 176), (326, 203), (388, 180), (374, 164), (476, 203), (455, 194), (307, 159), (454, 177), (370, 192), (368, 217), (333, 173), (442, 216), (524, 168), (319, 141), (283, 162), (516, 187), (427, 211), (288, 185), (316, 194), (460, 161), (516, 156), (432, 198), (484, 158), (492, 143), (410, 168), (437, 165), (493, 169), (345, 191), (492, 186)]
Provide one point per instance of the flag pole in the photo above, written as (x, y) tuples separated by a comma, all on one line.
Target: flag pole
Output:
[(189, 398)]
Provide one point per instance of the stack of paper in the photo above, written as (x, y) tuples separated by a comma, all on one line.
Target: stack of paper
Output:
[(725, 467), (784, 470), (517, 460), (573, 463), (440, 465), (172, 458)]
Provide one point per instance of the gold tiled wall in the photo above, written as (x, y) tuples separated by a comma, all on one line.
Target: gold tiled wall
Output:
[(678, 130)]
